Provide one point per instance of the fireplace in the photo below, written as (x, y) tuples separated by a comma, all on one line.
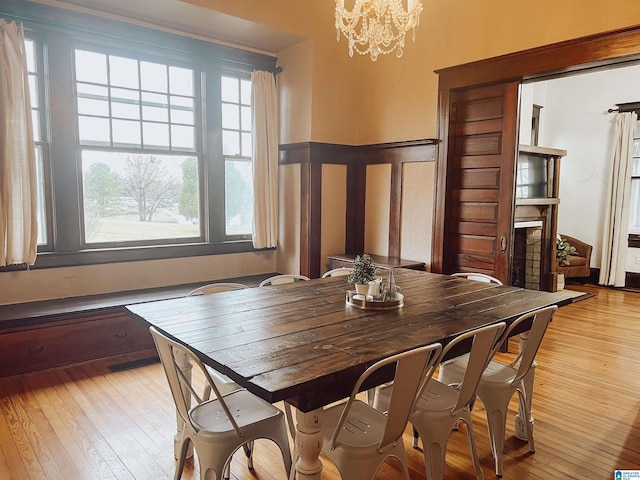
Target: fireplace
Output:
[(527, 255)]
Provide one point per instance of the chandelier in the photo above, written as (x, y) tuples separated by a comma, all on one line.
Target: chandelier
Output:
[(377, 27)]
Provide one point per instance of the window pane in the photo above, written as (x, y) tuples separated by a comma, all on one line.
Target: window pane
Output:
[(636, 147), (246, 118), (92, 106), (134, 197), (230, 116), (183, 137), (238, 197), (230, 142), (154, 77), (246, 145), (42, 206), (33, 91), (125, 103), (126, 133), (155, 135), (182, 110), (35, 119), (123, 72), (181, 81), (245, 92), (636, 167), (230, 89), (91, 67), (94, 130), (634, 210), (30, 50)]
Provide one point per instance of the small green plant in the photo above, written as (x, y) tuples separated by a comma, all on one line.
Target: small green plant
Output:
[(363, 271), (563, 250)]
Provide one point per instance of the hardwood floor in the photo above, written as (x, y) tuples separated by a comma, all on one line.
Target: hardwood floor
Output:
[(85, 422)]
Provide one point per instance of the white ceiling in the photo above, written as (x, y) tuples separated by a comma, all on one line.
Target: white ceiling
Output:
[(180, 17)]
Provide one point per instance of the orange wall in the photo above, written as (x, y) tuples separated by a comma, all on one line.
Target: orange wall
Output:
[(357, 101)]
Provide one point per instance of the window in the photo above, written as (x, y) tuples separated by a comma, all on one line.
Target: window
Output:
[(237, 149), (35, 91), (634, 210), (143, 141), (128, 111)]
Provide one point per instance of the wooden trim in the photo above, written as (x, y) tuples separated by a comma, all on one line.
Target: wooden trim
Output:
[(590, 52), (395, 213), (312, 155), (632, 280)]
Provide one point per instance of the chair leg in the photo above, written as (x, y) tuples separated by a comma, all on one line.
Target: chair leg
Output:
[(414, 439), (472, 446), (184, 446), (248, 451), (529, 423)]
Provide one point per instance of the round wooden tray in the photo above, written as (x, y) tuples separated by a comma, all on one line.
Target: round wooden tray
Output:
[(367, 302)]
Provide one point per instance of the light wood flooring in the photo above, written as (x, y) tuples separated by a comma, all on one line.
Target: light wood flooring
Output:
[(85, 422)]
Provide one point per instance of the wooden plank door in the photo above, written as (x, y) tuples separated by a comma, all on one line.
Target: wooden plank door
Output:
[(476, 217)]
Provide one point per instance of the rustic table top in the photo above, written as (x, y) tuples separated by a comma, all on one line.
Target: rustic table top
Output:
[(302, 343)]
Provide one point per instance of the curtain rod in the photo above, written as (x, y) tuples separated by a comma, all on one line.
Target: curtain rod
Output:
[(626, 107)]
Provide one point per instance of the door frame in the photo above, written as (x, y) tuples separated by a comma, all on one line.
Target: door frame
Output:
[(591, 53)]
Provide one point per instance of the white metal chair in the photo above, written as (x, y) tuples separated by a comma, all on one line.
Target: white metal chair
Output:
[(216, 288), (500, 382), (358, 438), (225, 384), (282, 279), (439, 407), (216, 432), (337, 272), (479, 277)]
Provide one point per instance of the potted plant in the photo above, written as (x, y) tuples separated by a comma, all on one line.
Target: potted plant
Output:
[(363, 272), (563, 250)]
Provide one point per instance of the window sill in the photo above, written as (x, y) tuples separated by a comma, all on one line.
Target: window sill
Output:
[(131, 254)]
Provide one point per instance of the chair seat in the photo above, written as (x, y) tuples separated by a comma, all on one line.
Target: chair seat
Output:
[(575, 261), (362, 429), (247, 410), (224, 383), (437, 398), (496, 372)]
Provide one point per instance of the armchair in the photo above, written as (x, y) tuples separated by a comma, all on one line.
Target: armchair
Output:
[(580, 263)]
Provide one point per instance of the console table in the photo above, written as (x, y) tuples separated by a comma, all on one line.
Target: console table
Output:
[(347, 259)]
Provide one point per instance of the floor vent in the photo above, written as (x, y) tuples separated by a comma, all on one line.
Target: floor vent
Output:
[(143, 362)]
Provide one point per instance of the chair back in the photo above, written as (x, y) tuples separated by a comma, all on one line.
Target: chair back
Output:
[(216, 288), (180, 386), (479, 277), (282, 279), (482, 349), (338, 272), (540, 321), (411, 370)]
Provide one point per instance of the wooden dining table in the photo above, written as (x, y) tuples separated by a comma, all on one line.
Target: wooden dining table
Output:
[(302, 343)]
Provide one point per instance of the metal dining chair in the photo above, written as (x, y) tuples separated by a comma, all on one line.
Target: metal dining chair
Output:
[(219, 426), (337, 272), (357, 438), (500, 381), (439, 406), (479, 277), (282, 279), (216, 288)]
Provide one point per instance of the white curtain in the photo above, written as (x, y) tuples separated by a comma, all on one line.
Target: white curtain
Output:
[(616, 224), (265, 159), (18, 194)]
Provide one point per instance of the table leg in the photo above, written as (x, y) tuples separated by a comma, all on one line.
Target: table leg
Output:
[(523, 416), (308, 445), (182, 360)]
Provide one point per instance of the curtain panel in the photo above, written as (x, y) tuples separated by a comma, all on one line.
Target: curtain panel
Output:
[(616, 223), (18, 186), (265, 159)]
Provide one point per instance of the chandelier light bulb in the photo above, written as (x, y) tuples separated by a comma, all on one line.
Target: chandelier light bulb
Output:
[(377, 27)]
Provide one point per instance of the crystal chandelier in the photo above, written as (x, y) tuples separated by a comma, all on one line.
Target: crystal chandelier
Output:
[(377, 27)]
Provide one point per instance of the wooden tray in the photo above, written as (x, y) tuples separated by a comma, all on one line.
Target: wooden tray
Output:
[(367, 302)]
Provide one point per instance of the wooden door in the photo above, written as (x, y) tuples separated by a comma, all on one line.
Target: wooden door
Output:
[(476, 180)]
